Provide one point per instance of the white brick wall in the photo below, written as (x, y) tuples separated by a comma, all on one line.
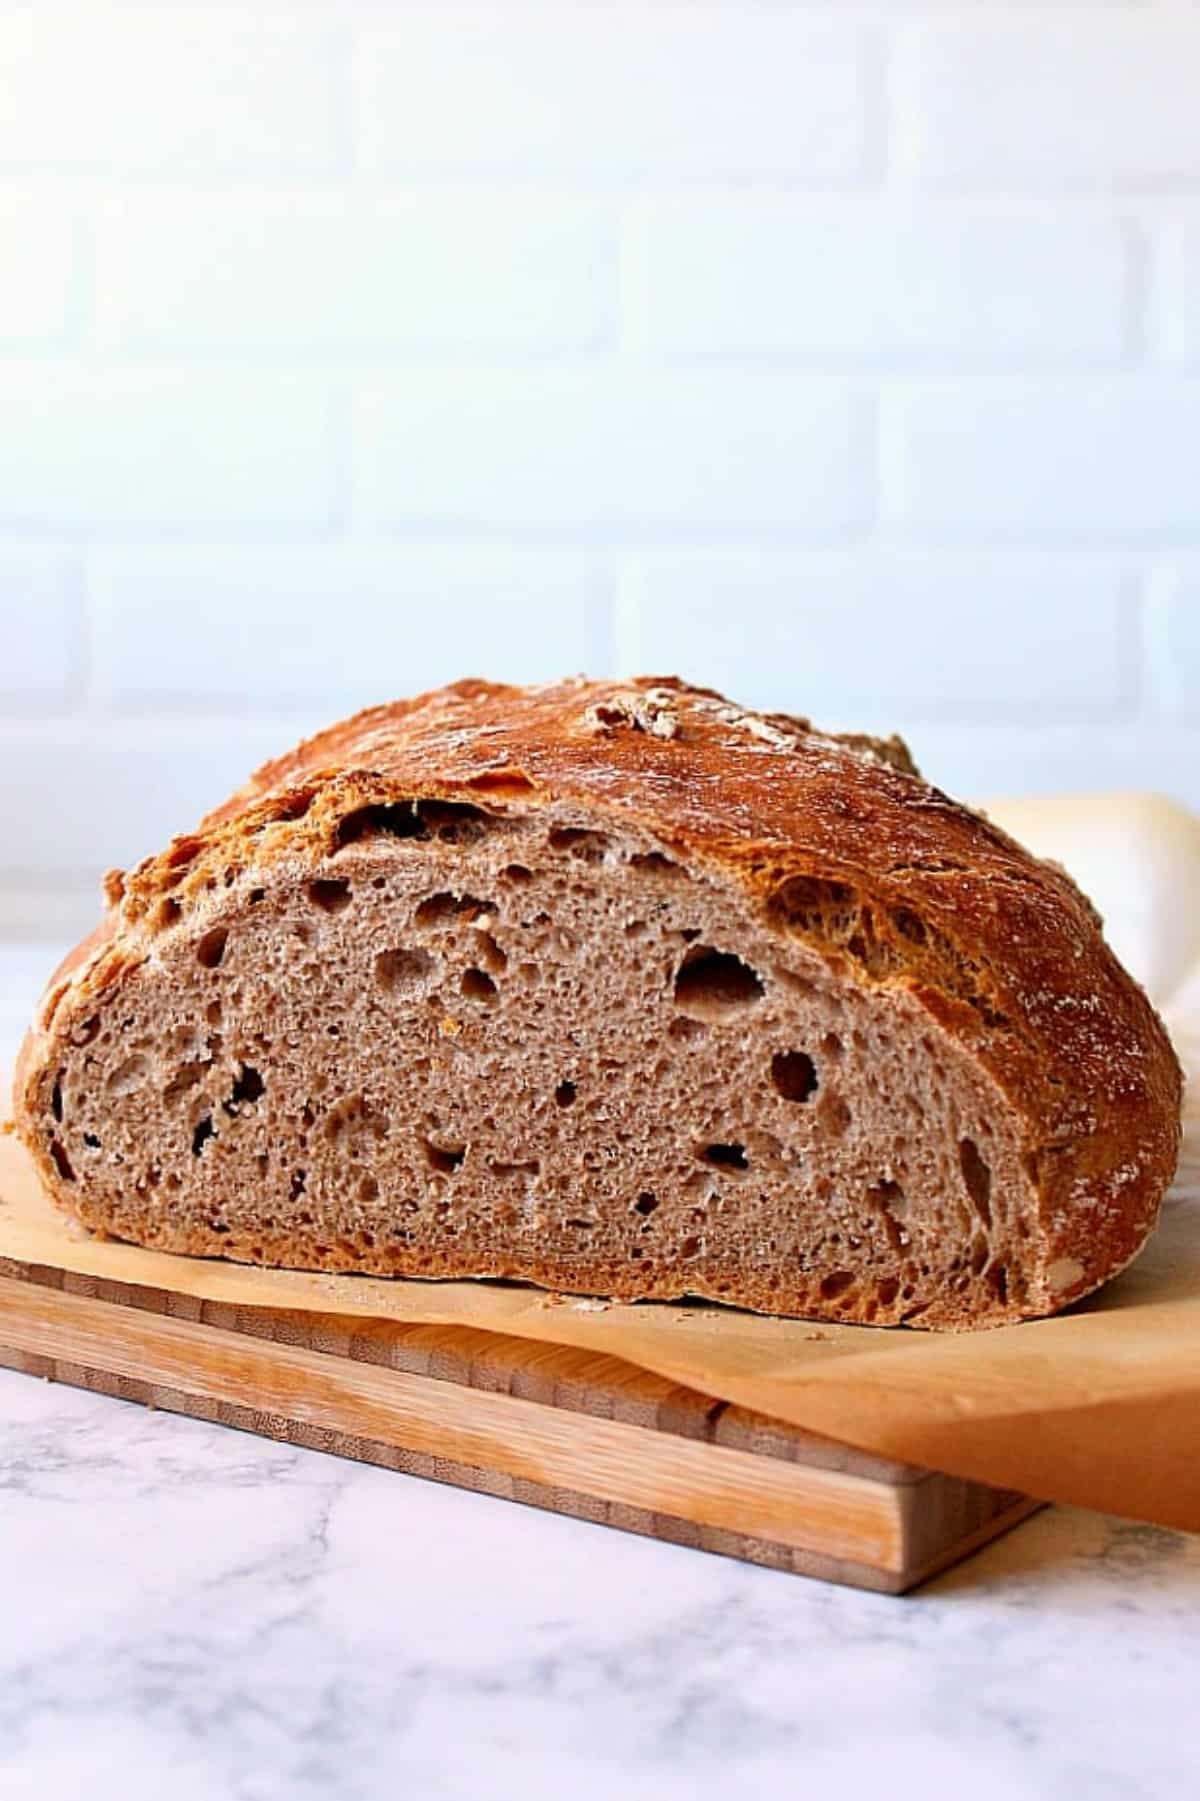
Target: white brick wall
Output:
[(118, 449), (873, 279), (39, 271), (689, 91), (617, 446), (845, 353), (1050, 102), (397, 614), (786, 624), (274, 274), (1112, 458), (168, 90)]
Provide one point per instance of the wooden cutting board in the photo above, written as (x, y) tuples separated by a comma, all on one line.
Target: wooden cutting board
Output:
[(563, 1429)]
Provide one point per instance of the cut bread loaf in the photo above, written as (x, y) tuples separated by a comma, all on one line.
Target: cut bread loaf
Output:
[(616, 989)]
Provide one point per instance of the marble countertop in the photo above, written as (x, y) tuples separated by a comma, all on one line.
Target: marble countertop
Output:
[(192, 1612)]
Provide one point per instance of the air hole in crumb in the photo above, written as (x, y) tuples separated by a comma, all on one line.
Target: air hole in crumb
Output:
[(331, 896), (634, 928), (564, 1094), (977, 1175), (454, 822), (129, 1075), (687, 1030), (836, 1284), (517, 874), (652, 862), (87, 1032), (298, 1184), (399, 821), (477, 985), (979, 1256), (832, 1046), (909, 926), (256, 895), (726, 1156), (713, 984), (185, 1077), (402, 971), (92, 1142), (169, 913), (294, 805), (445, 1158), (587, 847), (203, 1132), (794, 1075), (211, 947), (888, 1199), (887, 1290), (997, 1281), (690, 1249), (249, 1086), (436, 909), (646, 1204), (368, 1189), (56, 1100)]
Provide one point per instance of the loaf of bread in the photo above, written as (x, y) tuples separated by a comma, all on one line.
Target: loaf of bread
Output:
[(618, 989)]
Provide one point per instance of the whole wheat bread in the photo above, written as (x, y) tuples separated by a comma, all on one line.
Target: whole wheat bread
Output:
[(615, 989)]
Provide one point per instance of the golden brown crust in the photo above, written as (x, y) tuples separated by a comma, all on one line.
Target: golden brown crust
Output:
[(1002, 950)]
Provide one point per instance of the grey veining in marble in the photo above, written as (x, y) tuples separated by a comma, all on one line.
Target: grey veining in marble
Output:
[(189, 1613), (192, 1612)]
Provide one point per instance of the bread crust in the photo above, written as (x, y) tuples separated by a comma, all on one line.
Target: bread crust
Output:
[(1000, 949)]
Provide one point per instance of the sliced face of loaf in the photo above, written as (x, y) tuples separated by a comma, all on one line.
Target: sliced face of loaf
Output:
[(443, 1038)]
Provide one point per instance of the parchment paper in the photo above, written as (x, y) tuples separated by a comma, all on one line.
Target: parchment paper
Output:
[(1100, 1406)]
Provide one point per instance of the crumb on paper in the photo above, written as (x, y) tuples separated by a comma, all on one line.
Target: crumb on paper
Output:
[(818, 1337), (576, 1302)]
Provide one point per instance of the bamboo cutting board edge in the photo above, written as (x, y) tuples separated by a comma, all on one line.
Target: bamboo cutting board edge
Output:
[(569, 1431)]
